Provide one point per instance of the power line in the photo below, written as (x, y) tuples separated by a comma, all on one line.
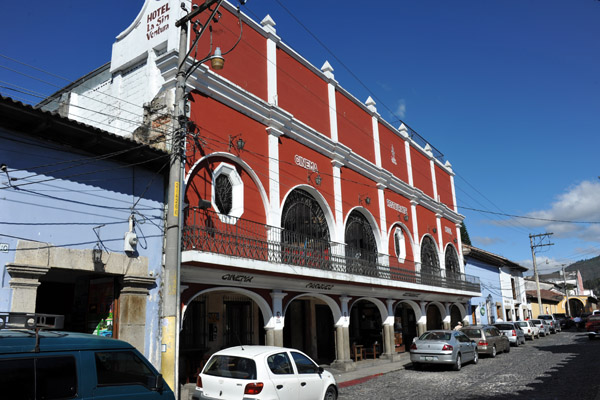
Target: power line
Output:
[(530, 218)]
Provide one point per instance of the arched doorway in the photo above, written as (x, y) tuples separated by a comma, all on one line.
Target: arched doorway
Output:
[(405, 325), (214, 320), (576, 307), (366, 325), (309, 327), (455, 316), (434, 317)]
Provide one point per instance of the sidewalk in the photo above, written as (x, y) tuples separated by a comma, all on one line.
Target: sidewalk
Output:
[(369, 369)]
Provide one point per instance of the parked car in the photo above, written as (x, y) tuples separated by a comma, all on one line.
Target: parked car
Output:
[(592, 326), (248, 372), (542, 325), (549, 318), (512, 331), (52, 364), (529, 329), (564, 321), (488, 338), (443, 347)]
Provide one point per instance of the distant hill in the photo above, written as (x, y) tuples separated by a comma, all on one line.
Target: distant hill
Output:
[(590, 272), (590, 269)]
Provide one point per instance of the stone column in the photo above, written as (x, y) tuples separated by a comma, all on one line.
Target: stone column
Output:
[(389, 341), (132, 310), (422, 322), (270, 337), (279, 319), (24, 282), (342, 340), (447, 322)]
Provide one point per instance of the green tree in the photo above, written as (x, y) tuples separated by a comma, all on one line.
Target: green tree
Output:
[(464, 235)]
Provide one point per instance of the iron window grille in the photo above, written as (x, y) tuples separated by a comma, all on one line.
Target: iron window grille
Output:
[(223, 194)]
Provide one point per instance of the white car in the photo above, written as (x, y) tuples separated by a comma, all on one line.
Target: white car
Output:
[(542, 326), (529, 329), (263, 372)]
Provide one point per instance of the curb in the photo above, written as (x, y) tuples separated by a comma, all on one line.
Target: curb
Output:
[(358, 380)]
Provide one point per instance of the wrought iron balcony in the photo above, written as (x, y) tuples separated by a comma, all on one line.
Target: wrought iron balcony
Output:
[(207, 231)]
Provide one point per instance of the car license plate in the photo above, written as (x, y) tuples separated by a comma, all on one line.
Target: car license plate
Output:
[(429, 358)]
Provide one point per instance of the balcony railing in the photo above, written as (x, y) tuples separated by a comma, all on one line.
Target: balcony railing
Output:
[(207, 231)]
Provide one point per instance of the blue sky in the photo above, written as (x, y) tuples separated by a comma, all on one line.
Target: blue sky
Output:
[(507, 90)]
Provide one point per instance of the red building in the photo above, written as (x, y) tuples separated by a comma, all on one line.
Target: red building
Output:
[(309, 221)]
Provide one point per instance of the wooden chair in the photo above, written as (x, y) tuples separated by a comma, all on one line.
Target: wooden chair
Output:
[(372, 351), (357, 352)]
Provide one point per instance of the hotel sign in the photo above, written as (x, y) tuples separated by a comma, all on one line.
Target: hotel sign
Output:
[(157, 21)]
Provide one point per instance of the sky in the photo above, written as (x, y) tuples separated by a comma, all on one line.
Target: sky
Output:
[(507, 90)]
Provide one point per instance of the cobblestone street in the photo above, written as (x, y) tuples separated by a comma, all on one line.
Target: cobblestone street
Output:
[(560, 366)]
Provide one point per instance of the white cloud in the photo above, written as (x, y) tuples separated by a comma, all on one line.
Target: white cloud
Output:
[(578, 203), (401, 108)]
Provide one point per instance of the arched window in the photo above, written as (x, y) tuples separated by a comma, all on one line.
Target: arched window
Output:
[(400, 244), (303, 216), (430, 264), (452, 266), (360, 240), (223, 194), (305, 234)]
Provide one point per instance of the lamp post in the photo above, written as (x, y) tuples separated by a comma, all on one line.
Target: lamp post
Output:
[(170, 318)]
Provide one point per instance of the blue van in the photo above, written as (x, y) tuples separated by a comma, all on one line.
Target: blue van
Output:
[(36, 363)]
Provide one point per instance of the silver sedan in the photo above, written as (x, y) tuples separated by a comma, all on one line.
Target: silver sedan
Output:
[(443, 347)]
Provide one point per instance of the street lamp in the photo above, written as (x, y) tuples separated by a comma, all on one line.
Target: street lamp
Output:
[(217, 60)]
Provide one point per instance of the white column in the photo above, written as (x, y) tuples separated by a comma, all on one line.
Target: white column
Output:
[(459, 249), (277, 297), (404, 132), (432, 169), (382, 216), (274, 217), (440, 238), (451, 172), (272, 40), (447, 321), (327, 69), (389, 340), (337, 193), (415, 231), (370, 103)]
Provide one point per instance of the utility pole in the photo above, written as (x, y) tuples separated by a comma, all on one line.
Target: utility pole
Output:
[(566, 291), (541, 238), (170, 317)]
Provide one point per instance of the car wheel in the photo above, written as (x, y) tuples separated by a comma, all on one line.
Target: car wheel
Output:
[(494, 351), (330, 394), (458, 363), (507, 350), (517, 343), (475, 358)]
